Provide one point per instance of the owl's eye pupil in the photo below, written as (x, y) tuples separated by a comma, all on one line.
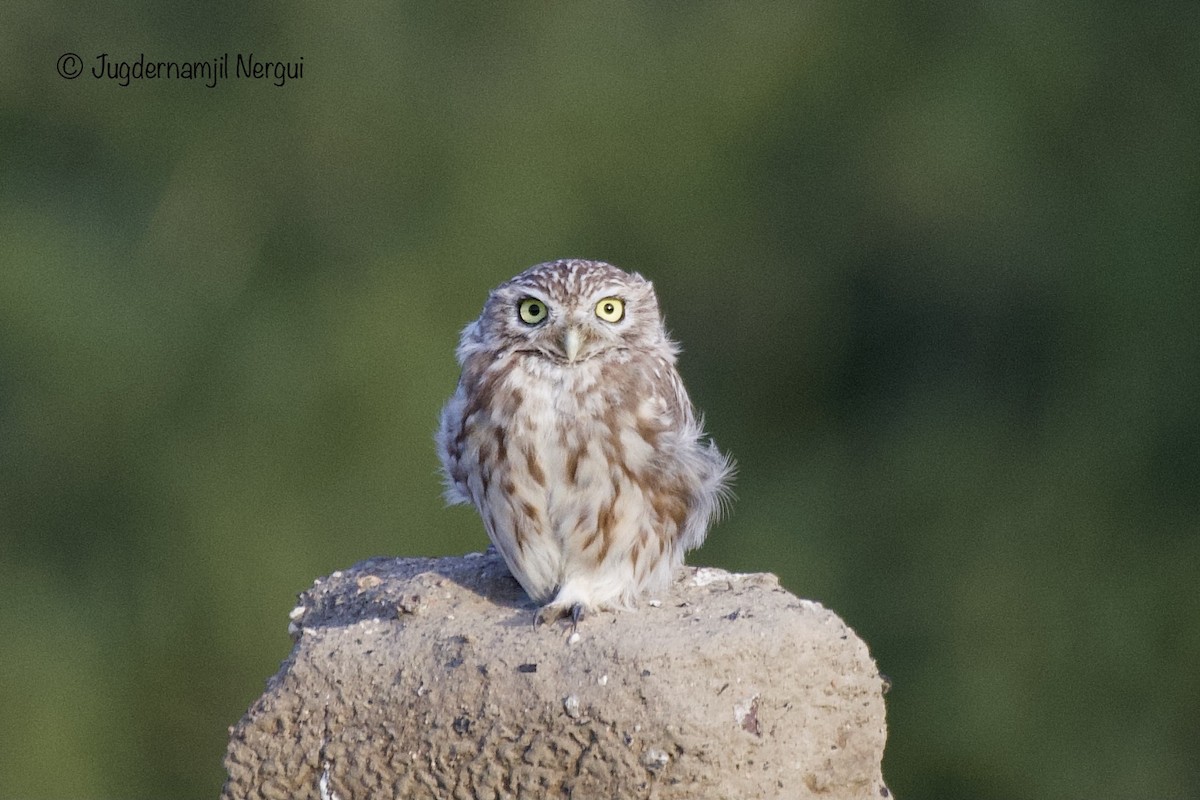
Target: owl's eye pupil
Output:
[(608, 308)]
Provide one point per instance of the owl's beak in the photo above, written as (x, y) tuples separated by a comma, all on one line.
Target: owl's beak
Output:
[(571, 343)]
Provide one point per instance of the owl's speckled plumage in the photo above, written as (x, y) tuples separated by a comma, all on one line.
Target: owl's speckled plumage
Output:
[(575, 440)]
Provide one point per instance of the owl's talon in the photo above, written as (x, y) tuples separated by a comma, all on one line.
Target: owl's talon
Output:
[(552, 613), (546, 614)]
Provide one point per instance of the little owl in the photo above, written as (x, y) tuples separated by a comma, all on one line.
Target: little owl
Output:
[(572, 435)]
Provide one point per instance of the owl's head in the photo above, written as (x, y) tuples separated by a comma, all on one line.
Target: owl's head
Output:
[(572, 310)]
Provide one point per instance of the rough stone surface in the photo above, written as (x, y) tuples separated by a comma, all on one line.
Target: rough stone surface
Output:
[(425, 678)]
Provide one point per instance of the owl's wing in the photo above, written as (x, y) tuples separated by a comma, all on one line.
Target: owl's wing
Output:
[(698, 464), (449, 441), (450, 438), (679, 405)]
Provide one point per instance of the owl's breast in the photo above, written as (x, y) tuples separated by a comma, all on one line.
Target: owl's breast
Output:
[(581, 429)]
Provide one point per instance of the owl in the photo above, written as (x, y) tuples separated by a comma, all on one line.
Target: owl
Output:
[(572, 435)]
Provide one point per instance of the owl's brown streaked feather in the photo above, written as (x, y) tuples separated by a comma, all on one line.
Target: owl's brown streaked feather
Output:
[(576, 441)]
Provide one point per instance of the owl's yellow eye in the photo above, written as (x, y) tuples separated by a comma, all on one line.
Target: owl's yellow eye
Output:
[(610, 309), (532, 310)]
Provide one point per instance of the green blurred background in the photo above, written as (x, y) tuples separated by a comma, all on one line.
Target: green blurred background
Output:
[(933, 267)]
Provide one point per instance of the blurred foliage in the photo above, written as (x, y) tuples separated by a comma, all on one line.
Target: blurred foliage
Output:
[(934, 267)]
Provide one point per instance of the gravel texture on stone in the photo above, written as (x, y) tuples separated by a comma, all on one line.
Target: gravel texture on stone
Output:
[(425, 678)]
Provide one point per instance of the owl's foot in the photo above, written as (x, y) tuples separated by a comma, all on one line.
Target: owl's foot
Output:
[(577, 613), (552, 612)]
